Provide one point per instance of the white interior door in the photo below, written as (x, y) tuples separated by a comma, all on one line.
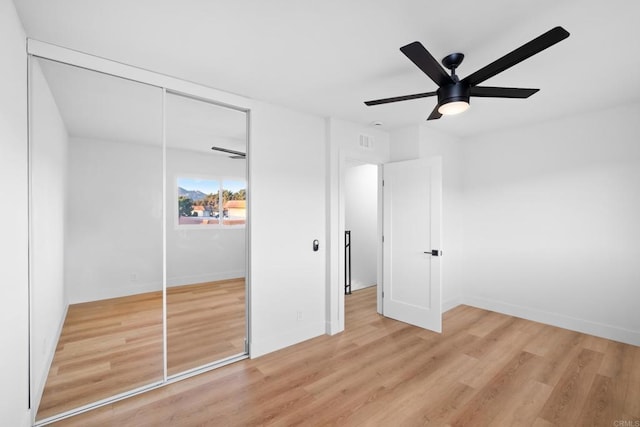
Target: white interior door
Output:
[(412, 210)]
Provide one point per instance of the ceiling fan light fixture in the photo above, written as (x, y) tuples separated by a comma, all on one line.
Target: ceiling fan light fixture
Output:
[(453, 93), (453, 99), (452, 108)]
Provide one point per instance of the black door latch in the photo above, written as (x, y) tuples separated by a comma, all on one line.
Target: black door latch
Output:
[(434, 252)]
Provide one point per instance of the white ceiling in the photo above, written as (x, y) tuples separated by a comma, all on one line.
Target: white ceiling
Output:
[(327, 57)]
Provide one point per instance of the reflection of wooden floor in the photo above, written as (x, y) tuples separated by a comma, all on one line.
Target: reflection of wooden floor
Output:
[(113, 346), (205, 322), (485, 369)]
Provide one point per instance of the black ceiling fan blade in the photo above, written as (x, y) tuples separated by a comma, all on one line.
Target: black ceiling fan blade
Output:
[(514, 57), (226, 150), (501, 92), (435, 115), (399, 98), (420, 56)]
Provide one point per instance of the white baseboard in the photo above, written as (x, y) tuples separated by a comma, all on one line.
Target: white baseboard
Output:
[(135, 288), (332, 328), (614, 333), (124, 290), (451, 303), (269, 344), (203, 278), (357, 286)]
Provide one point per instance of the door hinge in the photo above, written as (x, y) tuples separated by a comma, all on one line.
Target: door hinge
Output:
[(382, 239), (382, 294), (383, 182), (246, 346)]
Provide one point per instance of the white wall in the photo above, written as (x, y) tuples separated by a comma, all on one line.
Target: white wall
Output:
[(418, 142), (202, 255), (287, 174), (361, 218), (114, 219), (48, 153), (405, 143), (551, 222), (14, 308)]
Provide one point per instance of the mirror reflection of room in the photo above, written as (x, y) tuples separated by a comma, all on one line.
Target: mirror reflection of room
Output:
[(96, 243), (107, 239), (206, 237)]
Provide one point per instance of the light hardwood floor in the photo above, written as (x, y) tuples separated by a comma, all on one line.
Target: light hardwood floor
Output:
[(484, 369), (112, 346)]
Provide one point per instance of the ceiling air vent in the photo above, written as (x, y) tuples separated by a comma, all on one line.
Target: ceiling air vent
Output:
[(366, 142)]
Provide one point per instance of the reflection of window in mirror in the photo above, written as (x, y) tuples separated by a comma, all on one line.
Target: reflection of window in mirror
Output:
[(234, 202), (199, 202)]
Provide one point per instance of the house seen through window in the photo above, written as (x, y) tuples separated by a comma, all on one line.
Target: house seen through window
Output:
[(203, 201)]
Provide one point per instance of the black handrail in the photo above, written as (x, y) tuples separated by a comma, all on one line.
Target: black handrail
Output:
[(347, 262)]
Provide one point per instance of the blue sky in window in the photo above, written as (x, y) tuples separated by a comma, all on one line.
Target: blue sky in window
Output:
[(233, 186), (207, 186), (210, 186)]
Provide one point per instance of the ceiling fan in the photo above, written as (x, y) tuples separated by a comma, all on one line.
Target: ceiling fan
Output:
[(234, 154), (453, 94)]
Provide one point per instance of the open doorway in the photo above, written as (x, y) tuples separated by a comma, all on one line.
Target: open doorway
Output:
[(362, 225)]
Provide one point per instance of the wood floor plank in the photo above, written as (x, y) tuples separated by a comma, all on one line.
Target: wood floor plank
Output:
[(523, 405), (494, 359), (497, 394), (598, 408), (569, 396), (562, 348), (485, 369), (409, 399)]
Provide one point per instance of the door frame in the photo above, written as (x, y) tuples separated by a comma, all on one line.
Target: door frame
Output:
[(339, 325), (337, 161)]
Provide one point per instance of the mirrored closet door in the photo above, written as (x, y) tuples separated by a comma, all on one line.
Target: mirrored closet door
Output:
[(206, 240), (96, 235), (137, 236)]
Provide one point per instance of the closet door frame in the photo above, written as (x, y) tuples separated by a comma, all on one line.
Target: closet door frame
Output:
[(169, 85)]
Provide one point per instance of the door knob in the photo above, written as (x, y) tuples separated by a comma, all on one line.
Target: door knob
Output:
[(434, 252)]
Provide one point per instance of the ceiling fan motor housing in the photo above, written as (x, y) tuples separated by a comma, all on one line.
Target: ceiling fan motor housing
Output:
[(451, 93)]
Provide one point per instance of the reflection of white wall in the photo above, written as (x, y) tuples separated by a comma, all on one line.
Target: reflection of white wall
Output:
[(197, 255), (361, 218), (114, 238), (48, 197), (14, 291), (114, 245)]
